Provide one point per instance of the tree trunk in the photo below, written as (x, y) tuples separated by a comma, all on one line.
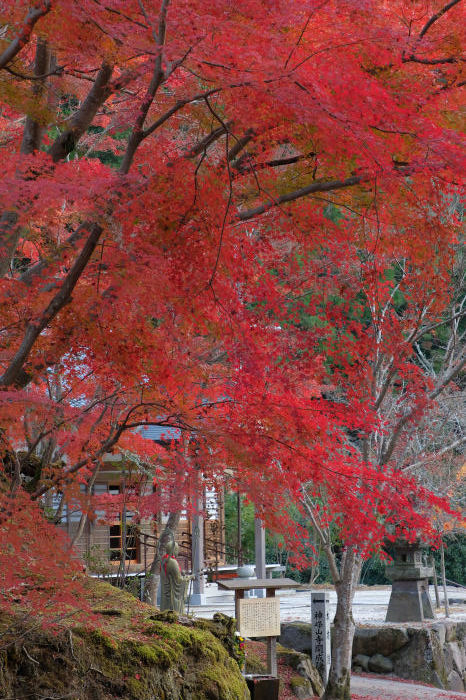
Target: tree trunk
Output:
[(83, 518), (153, 576), (338, 684)]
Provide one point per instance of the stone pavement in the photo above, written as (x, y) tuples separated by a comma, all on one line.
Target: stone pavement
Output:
[(370, 607), (370, 604), (388, 689)]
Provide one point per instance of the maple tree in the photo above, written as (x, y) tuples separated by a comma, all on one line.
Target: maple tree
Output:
[(206, 213)]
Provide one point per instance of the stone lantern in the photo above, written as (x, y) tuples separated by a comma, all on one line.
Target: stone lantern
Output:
[(409, 600)]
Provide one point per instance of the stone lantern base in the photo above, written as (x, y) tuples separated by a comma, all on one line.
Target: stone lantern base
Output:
[(410, 601)]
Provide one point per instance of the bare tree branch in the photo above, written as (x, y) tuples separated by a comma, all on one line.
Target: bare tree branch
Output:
[(325, 540), (433, 457)]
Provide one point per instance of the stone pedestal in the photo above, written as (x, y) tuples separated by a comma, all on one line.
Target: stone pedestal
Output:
[(409, 600)]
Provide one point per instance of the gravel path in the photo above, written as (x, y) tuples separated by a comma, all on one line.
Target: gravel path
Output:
[(387, 689)]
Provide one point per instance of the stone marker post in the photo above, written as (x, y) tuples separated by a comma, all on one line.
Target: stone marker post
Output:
[(321, 642)]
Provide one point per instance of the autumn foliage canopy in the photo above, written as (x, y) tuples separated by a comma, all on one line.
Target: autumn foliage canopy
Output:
[(235, 219)]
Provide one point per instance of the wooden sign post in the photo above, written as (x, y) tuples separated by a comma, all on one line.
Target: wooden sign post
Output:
[(259, 617)]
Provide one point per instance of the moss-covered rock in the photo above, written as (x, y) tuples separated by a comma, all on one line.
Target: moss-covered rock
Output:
[(126, 651), (301, 687), (302, 663)]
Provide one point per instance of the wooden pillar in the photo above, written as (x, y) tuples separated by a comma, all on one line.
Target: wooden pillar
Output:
[(240, 547), (271, 645), (259, 545), (197, 551)]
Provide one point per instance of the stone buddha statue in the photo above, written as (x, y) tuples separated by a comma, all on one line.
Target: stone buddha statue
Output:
[(173, 584)]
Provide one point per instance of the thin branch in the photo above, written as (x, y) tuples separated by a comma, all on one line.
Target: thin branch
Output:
[(158, 77), (448, 378), (434, 61), (430, 61), (326, 544), (176, 107), (437, 16), (297, 194), (202, 145), (58, 70), (34, 14), (230, 192), (427, 329), (61, 298), (433, 457), (240, 144), (274, 163)]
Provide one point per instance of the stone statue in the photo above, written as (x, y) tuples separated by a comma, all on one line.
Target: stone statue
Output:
[(173, 584)]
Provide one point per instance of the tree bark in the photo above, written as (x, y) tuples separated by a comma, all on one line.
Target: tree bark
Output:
[(32, 136), (33, 129), (25, 33), (84, 116), (153, 576), (61, 298), (83, 518), (338, 684)]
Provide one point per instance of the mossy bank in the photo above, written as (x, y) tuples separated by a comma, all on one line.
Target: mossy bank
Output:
[(125, 651)]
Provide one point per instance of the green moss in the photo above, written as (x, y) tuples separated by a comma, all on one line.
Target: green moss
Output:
[(134, 655), (254, 663), (97, 637), (298, 682), (222, 683)]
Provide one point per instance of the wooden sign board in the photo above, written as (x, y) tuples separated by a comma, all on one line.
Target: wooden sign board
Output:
[(259, 617)]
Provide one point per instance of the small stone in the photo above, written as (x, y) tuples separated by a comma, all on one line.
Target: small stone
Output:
[(454, 681), (453, 652), (450, 631), (380, 664), (440, 630), (363, 661)]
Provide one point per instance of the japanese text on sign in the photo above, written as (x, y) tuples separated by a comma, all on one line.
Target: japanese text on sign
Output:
[(259, 617)]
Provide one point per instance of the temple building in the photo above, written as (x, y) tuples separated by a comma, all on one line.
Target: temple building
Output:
[(102, 542)]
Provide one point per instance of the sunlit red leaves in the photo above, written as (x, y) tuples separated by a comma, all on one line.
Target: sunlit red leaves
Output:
[(254, 338), (36, 571)]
